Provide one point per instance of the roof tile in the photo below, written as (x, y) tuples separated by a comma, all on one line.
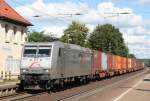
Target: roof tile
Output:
[(8, 12)]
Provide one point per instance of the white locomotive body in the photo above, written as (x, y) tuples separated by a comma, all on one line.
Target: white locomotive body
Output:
[(44, 65)]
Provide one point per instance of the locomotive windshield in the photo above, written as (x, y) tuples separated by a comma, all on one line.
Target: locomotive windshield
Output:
[(41, 51), (44, 51), (30, 51)]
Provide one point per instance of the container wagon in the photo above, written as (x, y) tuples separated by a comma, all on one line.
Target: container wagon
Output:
[(110, 64), (97, 69)]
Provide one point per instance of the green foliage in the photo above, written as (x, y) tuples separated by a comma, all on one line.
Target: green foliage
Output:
[(107, 38), (76, 33), (131, 56), (41, 37), (146, 62)]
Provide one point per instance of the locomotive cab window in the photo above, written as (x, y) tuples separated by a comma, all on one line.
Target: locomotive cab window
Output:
[(30, 51), (44, 51)]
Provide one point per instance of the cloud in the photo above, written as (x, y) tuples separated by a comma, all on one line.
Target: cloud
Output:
[(55, 30), (144, 1), (54, 19)]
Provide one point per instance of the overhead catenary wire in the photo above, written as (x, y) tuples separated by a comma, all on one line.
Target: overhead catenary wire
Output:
[(41, 13)]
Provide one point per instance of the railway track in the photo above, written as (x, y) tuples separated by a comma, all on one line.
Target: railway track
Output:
[(8, 90), (20, 96), (10, 96), (27, 96), (72, 92), (11, 93)]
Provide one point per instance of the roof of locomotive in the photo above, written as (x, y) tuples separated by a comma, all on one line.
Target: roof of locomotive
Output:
[(61, 44)]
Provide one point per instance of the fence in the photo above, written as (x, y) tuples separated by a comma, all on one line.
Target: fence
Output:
[(12, 70)]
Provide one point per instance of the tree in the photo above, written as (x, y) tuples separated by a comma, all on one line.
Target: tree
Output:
[(131, 56), (107, 38), (41, 37), (76, 33), (148, 63), (50, 38)]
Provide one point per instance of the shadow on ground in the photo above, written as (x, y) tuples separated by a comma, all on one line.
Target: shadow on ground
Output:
[(125, 87), (145, 90), (146, 80)]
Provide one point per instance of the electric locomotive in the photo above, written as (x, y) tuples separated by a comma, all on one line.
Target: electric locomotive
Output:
[(44, 65)]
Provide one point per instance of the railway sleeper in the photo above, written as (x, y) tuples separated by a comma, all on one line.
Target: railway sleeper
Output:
[(7, 92)]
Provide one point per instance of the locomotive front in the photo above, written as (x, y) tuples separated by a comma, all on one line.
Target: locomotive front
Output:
[(35, 66)]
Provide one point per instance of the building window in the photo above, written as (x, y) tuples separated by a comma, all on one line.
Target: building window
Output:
[(26, 39), (6, 30), (22, 33), (15, 31)]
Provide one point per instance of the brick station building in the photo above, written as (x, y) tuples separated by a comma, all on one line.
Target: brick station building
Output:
[(13, 35)]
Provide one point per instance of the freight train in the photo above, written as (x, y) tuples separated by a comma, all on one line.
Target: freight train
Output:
[(44, 65)]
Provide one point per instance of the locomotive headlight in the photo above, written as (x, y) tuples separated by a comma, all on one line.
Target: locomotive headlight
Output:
[(46, 70), (23, 70)]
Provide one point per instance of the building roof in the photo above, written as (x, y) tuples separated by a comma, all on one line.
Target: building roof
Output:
[(9, 14)]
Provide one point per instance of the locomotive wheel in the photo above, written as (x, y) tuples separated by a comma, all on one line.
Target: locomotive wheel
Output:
[(61, 83), (49, 85), (20, 88), (84, 81)]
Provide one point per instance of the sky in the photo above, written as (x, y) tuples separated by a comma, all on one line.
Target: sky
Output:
[(56, 15)]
